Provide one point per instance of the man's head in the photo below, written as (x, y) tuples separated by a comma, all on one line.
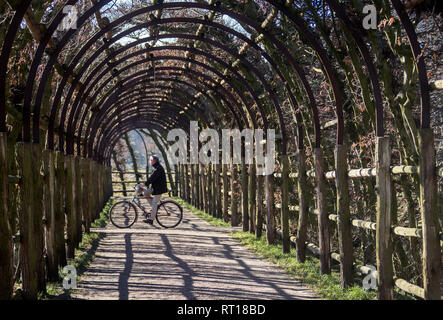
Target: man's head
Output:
[(154, 160)]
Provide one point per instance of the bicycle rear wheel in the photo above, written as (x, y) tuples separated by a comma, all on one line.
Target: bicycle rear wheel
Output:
[(169, 214), (123, 214)]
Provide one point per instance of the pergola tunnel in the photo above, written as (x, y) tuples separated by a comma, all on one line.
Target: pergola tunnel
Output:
[(356, 110)]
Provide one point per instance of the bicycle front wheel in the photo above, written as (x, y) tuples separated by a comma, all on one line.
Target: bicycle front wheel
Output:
[(123, 214), (169, 214)]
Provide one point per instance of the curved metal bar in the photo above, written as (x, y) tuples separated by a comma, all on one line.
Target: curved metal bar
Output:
[(425, 99), (4, 57), (97, 143), (372, 71), (148, 9)]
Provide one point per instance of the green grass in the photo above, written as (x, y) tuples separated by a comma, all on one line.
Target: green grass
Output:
[(326, 286), (83, 257), (214, 221)]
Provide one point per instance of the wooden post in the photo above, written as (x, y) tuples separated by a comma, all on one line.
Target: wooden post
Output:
[(205, 189), (85, 195), (343, 221), (270, 209), (218, 192), (286, 242), (260, 211), (234, 195), (323, 221), (192, 182), (383, 229), (187, 193), (244, 195), (71, 199), (48, 212), (30, 219), (210, 186), (197, 185), (252, 197), (59, 210), (303, 207), (201, 187), (225, 193), (6, 245), (429, 216), (92, 190), (78, 203)]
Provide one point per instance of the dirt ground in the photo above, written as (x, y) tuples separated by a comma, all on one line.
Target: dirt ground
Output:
[(193, 261)]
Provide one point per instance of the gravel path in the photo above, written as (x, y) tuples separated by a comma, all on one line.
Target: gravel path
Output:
[(193, 261)]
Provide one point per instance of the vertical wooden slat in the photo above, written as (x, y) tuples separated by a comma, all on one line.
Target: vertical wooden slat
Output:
[(70, 205), (78, 201), (244, 195), (303, 207), (225, 193), (260, 211), (343, 221), (192, 182), (6, 245), (429, 216), (252, 197), (323, 221), (270, 209), (30, 219), (285, 204), (59, 209), (383, 229), (187, 193), (218, 192), (234, 196), (48, 209), (210, 187), (85, 194)]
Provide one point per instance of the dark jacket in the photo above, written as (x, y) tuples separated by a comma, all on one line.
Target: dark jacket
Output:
[(158, 180)]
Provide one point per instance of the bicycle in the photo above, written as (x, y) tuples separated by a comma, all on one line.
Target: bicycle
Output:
[(124, 213)]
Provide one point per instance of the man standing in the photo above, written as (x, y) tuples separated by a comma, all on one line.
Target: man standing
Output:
[(158, 182)]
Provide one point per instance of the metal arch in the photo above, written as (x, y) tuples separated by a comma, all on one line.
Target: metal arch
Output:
[(425, 99), (372, 71), (126, 17), (193, 20), (111, 142), (95, 142), (4, 57), (103, 141), (104, 109), (70, 128)]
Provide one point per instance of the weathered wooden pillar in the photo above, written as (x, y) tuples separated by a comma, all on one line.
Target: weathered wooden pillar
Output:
[(59, 209), (286, 242), (48, 167), (234, 196), (260, 208), (270, 209), (85, 194), (344, 220), (210, 187), (192, 183), (429, 216), (78, 203), (383, 229), (92, 190), (244, 195), (323, 221), (187, 193), (100, 188), (71, 199), (180, 171), (176, 181), (31, 219), (6, 245), (201, 188), (214, 191), (218, 192), (197, 185), (225, 193), (303, 207), (252, 197), (205, 189)]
